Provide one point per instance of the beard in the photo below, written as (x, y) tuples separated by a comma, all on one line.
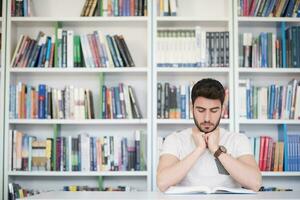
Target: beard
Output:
[(204, 130)]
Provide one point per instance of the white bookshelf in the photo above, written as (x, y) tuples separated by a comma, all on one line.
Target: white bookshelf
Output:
[(66, 174), (82, 122), (133, 70), (2, 93), (140, 34), (263, 77), (189, 15), (137, 34)]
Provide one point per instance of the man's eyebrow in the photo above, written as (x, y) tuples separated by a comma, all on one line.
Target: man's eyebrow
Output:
[(199, 107), (217, 107)]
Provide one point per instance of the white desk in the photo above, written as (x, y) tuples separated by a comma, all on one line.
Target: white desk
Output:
[(157, 195)]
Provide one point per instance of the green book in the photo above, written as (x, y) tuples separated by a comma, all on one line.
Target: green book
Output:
[(101, 83), (100, 183), (56, 133), (58, 26)]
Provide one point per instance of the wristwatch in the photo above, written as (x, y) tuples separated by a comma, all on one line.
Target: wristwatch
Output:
[(220, 150)]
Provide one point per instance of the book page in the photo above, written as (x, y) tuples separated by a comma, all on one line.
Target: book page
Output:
[(232, 190), (187, 190)]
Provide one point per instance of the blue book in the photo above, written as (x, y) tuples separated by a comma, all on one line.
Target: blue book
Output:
[(282, 137), (25, 7), (182, 102), (270, 7), (41, 101), (48, 51), (283, 36), (118, 103), (272, 101), (104, 102), (112, 51), (267, 5), (290, 8)]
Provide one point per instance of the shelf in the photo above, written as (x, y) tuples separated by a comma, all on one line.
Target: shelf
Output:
[(268, 121), (80, 19), (83, 122), (193, 70), (80, 70), (184, 121), (190, 19), (268, 19), (281, 174), (101, 173), (270, 70)]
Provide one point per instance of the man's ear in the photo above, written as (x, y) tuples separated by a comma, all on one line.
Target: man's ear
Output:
[(191, 110)]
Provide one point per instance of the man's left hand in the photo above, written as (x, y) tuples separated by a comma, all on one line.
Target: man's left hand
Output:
[(212, 140)]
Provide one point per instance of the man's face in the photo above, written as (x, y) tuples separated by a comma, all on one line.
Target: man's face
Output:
[(207, 114)]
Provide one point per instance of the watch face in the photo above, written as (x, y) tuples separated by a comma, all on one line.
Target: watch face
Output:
[(223, 149)]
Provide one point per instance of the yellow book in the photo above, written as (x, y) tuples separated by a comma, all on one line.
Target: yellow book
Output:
[(276, 156), (280, 158)]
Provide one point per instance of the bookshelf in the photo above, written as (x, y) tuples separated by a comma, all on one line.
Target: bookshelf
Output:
[(190, 15), (2, 93), (141, 36), (264, 77), (137, 33)]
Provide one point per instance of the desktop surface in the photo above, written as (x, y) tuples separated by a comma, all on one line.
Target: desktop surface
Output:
[(157, 195)]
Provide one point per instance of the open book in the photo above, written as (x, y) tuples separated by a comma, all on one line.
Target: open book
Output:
[(206, 190)]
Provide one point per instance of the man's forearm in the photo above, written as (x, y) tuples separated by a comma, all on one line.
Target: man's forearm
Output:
[(247, 176), (174, 174)]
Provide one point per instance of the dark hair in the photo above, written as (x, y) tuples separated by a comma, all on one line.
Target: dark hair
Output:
[(208, 88)]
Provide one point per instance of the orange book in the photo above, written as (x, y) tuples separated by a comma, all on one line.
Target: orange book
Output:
[(276, 157), (280, 158)]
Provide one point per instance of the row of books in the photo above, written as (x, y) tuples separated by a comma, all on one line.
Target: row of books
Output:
[(81, 153), (281, 155), (269, 50), (15, 191), (45, 102), (167, 7), (21, 8), (267, 153), (192, 48), (68, 50), (269, 102), (114, 8), (174, 102), (77, 188), (269, 8), (119, 103)]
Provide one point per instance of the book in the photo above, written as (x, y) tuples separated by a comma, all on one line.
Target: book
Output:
[(206, 190)]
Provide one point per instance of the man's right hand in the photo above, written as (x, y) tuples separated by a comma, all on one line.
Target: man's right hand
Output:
[(199, 139)]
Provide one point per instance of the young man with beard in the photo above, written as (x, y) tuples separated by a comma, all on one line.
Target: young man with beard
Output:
[(207, 154)]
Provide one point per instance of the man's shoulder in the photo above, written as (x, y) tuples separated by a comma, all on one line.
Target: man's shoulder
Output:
[(232, 136), (181, 133)]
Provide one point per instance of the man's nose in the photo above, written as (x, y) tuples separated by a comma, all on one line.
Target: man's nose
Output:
[(207, 116)]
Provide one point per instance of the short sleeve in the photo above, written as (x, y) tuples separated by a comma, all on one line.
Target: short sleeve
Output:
[(243, 146), (170, 146)]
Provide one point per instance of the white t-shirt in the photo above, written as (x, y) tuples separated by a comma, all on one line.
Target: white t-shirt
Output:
[(207, 170)]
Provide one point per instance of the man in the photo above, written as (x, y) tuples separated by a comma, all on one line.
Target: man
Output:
[(206, 154)]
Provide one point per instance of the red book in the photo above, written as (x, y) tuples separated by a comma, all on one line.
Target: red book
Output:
[(265, 153), (269, 154), (245, 8)]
